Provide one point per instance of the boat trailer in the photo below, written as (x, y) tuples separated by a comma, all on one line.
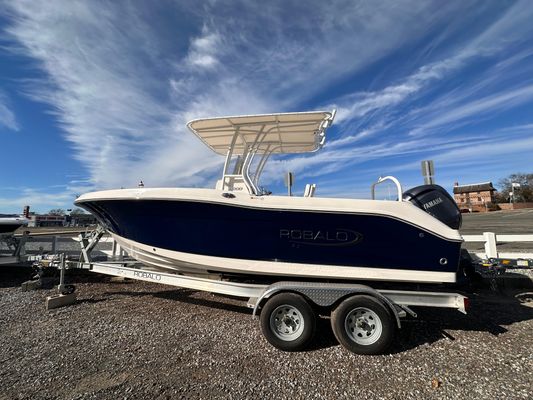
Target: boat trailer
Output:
[(16, 247), (364, 319)]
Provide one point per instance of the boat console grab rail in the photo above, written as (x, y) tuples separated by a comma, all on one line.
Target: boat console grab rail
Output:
[(388, 178), (252, 188)]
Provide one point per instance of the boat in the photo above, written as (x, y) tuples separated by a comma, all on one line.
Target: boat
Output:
[(9, 223), (239, 229)]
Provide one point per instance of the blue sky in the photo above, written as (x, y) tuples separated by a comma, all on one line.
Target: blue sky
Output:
[(96, 94)]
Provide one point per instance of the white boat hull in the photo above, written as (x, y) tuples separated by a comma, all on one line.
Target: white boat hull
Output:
[(193, 263), (8, 225)]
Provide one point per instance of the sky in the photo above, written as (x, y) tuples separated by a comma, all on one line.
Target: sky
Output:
[(96, 94)]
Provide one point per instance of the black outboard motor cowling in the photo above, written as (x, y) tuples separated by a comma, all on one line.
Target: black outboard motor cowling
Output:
[(437, 202)]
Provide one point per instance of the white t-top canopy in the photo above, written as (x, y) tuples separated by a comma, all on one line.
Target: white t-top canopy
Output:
[(274, 133)]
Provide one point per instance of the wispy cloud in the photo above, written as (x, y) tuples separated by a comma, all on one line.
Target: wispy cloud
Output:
[(359, 104), (499, 102), (105, 89), (7, 116), (122, 85), (42, 199), (107, 70), (204, 48), (425, 102)]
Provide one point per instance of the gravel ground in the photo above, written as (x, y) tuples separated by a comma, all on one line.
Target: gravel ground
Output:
[(138, 340)]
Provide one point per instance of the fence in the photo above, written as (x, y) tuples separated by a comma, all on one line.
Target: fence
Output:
[(514, 206), (491, 241)]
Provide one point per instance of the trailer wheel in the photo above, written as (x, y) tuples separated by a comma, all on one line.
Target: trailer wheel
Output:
[(68, 289), (363, 325), (288, 322)]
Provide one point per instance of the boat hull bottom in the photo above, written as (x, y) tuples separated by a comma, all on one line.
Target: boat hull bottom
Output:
[(188, 263)]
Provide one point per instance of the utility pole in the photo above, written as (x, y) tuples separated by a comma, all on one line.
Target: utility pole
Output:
[(428, 172)]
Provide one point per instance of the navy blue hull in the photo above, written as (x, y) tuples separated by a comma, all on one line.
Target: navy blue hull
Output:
[(8, 228), (277, 235)]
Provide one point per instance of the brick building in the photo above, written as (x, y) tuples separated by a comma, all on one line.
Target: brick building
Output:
[(47, 220), (475, 196), (80, 220)]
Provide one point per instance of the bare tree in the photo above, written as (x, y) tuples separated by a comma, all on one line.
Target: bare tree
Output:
[(57, 211), (522, 193)]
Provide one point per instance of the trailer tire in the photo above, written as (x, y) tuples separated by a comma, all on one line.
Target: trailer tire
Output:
[(288, 322), (363, 325), (68, 289)]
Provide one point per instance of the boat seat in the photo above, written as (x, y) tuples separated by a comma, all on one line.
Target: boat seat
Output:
[(310, 190)]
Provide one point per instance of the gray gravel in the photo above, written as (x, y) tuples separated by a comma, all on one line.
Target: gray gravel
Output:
[(139, 340)]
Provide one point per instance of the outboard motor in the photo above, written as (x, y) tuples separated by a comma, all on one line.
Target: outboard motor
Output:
[(437, 202)]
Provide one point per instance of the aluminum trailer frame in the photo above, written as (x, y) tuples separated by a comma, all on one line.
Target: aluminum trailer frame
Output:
[(321, 294)]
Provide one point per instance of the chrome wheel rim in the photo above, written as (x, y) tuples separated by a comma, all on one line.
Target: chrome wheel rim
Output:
[(287, 323), (363, 326)]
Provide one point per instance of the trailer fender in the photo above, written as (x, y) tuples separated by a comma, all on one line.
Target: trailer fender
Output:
[(324, 294)]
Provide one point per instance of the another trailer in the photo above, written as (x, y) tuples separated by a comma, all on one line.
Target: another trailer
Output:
[(16, 248)]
